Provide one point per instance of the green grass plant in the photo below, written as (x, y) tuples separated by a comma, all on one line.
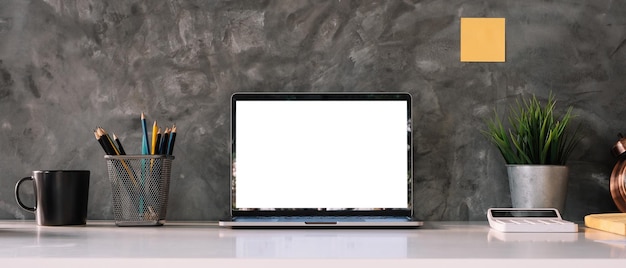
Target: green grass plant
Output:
[(536, 135)]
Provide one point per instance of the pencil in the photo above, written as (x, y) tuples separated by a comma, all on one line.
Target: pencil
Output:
[(119, 144), (164, 141), (145, 149), (110, 150), (154, 137), (95, 133), (157, 147), (144, 141), (170, 145), (109, 142)]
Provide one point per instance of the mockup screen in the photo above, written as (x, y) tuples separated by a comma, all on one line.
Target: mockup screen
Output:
[(321, 154)]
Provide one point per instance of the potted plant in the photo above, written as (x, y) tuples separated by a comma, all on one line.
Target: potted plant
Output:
[(536, 147)]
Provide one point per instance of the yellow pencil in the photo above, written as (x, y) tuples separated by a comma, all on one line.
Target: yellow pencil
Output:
[(155, 130)]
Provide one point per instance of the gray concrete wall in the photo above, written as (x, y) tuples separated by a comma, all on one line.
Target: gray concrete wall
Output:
[(67, 66)]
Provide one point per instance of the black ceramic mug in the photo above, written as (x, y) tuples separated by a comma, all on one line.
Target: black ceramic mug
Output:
[(60, 196)]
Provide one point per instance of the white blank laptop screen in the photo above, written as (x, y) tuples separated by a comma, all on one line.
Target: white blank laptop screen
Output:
[(321, 154)]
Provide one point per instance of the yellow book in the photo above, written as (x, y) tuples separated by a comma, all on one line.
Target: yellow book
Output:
[(608, 222)]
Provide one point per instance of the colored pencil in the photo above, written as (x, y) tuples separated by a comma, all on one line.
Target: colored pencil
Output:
[(170, 146), (157, 147), (110, 148), (145, 149), (119, 144), (164, 141), (144, 141), (101, 141), (109, 141), (155, 129)]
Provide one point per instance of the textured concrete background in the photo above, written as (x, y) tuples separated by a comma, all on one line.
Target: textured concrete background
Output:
[(67, 66)]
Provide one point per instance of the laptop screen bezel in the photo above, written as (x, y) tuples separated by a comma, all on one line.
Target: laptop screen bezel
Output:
[(274, 96)]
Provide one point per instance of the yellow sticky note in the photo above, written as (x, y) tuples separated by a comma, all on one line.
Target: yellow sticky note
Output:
[(482, 39)]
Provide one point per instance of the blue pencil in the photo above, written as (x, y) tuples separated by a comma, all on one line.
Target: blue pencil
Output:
[(164, 141), (144, 150), (170, 144), (144, 143)]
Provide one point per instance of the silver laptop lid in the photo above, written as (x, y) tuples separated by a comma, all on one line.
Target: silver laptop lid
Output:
[(321, 154)]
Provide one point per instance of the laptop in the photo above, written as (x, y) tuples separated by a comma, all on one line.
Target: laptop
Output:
[(321, 160)]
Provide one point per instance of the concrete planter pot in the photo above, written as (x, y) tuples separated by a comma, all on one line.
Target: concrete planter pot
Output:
[(538, 186)]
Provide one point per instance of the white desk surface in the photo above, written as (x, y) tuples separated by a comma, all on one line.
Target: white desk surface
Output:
[(437, 244)]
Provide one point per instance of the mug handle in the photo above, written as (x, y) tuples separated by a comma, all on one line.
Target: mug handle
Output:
[(17, 194)]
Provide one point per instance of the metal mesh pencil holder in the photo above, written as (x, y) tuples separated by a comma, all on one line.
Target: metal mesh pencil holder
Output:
[(140, 187)]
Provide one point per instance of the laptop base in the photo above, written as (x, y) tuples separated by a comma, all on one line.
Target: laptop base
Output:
[(321, 222)]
